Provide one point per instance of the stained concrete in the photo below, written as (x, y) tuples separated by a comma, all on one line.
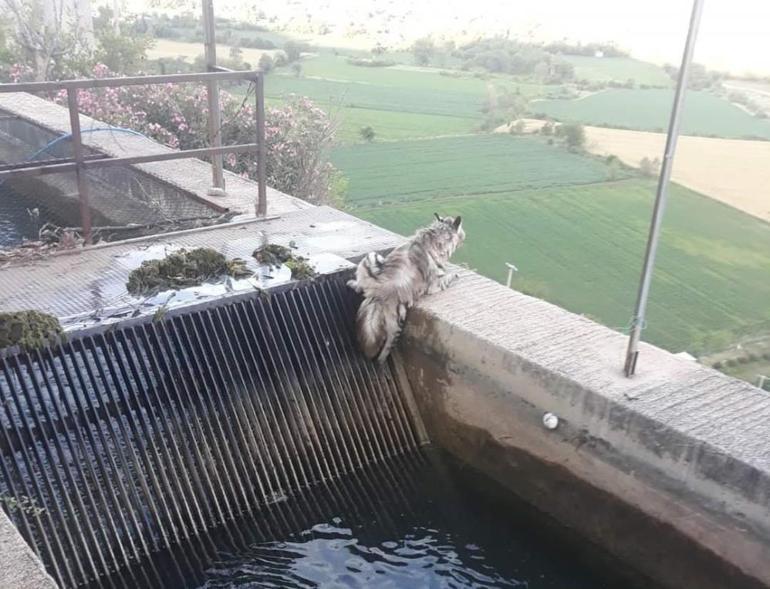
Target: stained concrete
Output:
[(669, 470)]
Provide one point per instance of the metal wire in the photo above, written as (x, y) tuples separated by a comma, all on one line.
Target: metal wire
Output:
[(149, 435)]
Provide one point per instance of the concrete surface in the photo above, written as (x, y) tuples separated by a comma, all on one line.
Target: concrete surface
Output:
[(20, 568), (669, 470)]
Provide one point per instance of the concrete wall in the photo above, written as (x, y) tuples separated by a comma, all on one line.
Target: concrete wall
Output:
[(669, 471)]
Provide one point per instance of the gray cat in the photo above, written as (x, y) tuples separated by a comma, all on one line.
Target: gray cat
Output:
[(392, 284)]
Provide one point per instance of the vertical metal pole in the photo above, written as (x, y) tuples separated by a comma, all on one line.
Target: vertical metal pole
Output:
[(661, 196), (80, 173), (212, 86), (261, 148), (511, 270)]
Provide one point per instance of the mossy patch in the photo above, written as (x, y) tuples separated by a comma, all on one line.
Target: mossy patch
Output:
[(28, 329), (183, 269), (300, 268), (276, 255), (272, 254)]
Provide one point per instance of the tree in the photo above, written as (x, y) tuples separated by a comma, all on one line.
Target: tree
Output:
[(48, 32), (423, 50), (378, 50), (266, 62), (574, 135), (517, 128), (236, 54), (296, 67), (649, 167), (122, 53), (294, 50), (367, 134)]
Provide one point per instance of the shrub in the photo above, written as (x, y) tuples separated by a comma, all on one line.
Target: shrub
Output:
[(367, 134), (299, 135)]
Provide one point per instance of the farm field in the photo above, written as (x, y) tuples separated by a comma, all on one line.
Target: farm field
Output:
[(618, 69), (733, 171), (166, 48), (469, 167), (398, 102), (580, 245), (649, 110)]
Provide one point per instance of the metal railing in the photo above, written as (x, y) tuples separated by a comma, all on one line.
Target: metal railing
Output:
[(80, 162)]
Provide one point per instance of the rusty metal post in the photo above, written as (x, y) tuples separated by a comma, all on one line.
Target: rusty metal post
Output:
[(80, 173), (261, 147), (212, 91)]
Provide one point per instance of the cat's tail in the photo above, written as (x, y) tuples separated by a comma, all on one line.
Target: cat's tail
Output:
[(378, 325)]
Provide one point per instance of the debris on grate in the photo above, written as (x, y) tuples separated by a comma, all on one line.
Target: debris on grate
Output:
[(183, 269), (28, 329), (274, 255)]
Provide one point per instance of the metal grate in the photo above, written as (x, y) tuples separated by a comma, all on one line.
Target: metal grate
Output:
[(137, 438)]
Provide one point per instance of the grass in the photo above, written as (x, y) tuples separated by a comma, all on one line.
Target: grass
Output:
[(392, 126), (577, 245), (471, 167), (620, 69), (398, 102), (649, 110), (419, 99)]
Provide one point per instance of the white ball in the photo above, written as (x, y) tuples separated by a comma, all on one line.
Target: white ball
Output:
[(550, 421)]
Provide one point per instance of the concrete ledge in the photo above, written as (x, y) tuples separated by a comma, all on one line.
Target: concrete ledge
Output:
[(20, 568), (669, 470)]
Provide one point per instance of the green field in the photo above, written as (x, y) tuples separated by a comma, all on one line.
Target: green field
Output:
[(471, 167), (575, 227), (578, 245), (649, 110), (399, 102), (618, 69)]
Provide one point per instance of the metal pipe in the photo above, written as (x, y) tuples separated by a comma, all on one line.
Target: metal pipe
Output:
[(212, 95), (35, 169), (77, 152), (637, 323), (129, 81), (259, 81)]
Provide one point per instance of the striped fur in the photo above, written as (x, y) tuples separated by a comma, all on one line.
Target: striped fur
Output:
[(391, 285)]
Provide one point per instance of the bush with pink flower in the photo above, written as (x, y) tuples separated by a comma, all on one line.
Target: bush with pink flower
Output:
[(298, 134)]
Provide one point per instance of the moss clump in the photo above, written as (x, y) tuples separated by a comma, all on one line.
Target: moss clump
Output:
[(182, 269), (272, 254), (28, 329), (300, 268), (276, 255)]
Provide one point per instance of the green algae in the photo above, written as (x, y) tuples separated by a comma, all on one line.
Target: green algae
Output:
[(183, 269), (28, 329)]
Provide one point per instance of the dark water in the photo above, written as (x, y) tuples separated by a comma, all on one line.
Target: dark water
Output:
[(420, 522), (16, 223)]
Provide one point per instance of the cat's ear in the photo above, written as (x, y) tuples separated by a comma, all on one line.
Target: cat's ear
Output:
[(439, 219), (458, 222)]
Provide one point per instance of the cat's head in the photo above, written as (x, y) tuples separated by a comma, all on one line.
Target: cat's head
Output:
[(455, 223)]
